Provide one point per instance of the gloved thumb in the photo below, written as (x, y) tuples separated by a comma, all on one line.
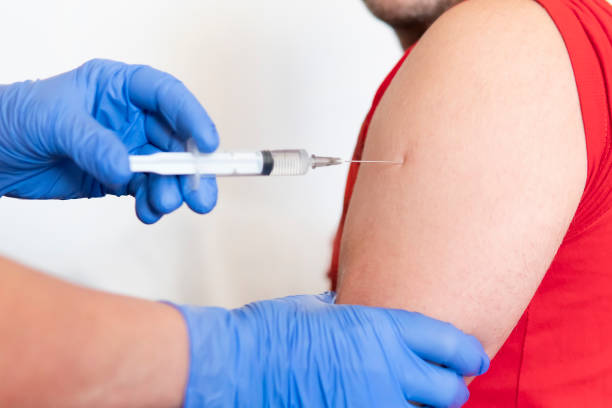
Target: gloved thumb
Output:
[(94, 148)]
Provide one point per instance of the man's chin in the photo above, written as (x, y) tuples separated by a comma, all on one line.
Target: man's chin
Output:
[(404, 13)]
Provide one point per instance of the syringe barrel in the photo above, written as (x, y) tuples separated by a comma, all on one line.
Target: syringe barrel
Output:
[(259, 163), (183, 163)]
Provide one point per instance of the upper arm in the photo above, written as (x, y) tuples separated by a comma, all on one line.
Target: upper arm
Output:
[(485, 114)]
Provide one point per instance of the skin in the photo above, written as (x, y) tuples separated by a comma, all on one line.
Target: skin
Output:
[(485, 115), (409, 18), (114, 351)]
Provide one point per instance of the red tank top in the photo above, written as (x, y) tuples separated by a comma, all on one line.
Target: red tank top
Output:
[(560, 352)]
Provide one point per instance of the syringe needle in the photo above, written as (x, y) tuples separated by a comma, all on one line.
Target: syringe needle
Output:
[(320, 161)]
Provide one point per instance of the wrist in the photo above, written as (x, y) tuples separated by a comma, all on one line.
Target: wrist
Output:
[(213, 345), (177, 354)]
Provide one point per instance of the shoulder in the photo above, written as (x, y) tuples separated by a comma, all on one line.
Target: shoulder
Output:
[(492, 74), (494, 38), (505, 21)]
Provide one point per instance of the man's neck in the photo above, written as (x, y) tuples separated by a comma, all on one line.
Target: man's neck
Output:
[(410, 34), (412, 29)]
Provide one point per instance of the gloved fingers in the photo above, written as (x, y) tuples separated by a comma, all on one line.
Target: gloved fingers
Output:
[(155, 195), (161, 136), (441, 343), (167, 97), (163, 192), (434, 386), (203, 198), (139, 189), (94, 148)]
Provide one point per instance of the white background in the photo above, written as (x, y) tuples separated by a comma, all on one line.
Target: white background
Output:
[(272, 74)]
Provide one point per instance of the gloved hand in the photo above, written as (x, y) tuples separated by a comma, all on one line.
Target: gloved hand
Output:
[(305, 351), (69, 137)]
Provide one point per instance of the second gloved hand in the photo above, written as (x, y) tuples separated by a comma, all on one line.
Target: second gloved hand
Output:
[(305, 351), (69, 137)]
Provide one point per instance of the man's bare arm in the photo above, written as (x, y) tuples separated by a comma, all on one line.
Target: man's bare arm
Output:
[(62, 345), (485, 114)]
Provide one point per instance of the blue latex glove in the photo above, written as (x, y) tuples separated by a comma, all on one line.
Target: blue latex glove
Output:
[(305, 351), (69, 137)]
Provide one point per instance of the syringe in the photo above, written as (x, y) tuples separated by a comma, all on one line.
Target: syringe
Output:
[(259, 163)]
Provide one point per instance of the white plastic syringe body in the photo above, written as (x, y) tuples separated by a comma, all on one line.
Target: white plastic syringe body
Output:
[(258, 163)]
